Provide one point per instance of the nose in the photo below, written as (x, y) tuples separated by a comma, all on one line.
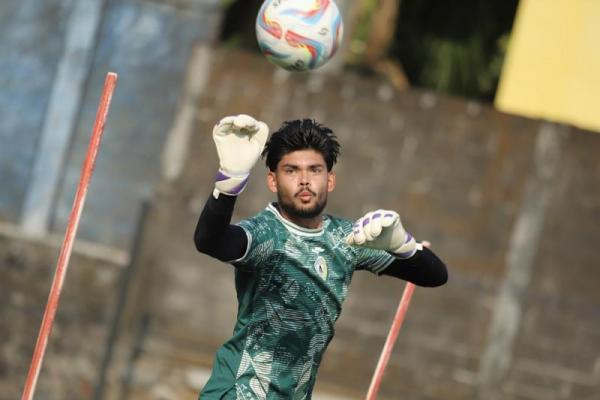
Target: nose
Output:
[(304, 178)]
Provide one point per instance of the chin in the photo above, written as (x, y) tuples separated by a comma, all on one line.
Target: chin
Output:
[(310, 210), (306, 206), (298, 209)]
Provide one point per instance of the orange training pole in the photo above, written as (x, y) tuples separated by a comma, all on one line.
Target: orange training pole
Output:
[(389, 342), (67, 246)]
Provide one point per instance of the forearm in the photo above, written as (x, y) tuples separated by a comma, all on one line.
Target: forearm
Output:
[(214, 235), (422, 269)]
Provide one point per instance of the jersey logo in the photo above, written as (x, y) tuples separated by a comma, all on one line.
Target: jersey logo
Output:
[(321, 267)]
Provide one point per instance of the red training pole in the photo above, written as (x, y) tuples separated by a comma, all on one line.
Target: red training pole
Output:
[(67, 245), (389, 342)]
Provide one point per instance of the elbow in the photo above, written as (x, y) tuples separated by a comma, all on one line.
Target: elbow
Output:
[(434, 278), (201, 243), (440, 278), (438, 272), (209, 245)]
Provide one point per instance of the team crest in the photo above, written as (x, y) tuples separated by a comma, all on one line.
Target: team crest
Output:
[(321, 267)]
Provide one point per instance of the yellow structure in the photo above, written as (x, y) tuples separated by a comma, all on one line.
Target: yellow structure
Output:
[(552, 66)]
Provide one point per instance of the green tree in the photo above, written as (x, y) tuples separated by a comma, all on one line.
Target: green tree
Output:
[(455, 47)]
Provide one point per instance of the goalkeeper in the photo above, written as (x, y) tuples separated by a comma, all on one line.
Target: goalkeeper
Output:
[(293, 263)]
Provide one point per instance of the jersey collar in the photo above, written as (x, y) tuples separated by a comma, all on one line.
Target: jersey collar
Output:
[(297, 229)]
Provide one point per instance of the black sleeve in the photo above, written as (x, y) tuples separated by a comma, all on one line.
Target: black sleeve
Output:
[(214, 235), (422, 269)]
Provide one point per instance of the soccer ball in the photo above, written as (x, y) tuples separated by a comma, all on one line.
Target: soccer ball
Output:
[(299, 35)]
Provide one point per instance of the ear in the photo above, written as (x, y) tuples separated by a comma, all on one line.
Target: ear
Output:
[(330, 181), (272, 181)]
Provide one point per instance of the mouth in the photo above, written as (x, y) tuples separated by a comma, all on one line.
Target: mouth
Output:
[(305, 195)]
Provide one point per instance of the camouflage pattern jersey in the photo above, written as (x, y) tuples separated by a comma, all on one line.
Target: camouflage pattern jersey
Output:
[(290, 286)]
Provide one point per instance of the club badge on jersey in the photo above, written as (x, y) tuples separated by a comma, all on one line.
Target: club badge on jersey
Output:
[(321, 267)]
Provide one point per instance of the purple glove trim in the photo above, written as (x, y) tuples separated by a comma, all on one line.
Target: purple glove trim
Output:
[(224, 183), (405, 254), (221, 176), (237, 190)]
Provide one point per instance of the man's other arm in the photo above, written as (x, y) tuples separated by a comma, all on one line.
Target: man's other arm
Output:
[(424, 268), (383, 230)]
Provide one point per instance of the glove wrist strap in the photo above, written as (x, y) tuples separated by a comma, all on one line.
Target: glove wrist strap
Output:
[(408, 248), (229, 184)]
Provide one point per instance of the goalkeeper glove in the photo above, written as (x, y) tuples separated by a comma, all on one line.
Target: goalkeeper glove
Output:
[(239, 141), (382, 229)]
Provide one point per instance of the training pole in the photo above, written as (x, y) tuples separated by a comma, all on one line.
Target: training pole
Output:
[(389, 342), (67, 245)]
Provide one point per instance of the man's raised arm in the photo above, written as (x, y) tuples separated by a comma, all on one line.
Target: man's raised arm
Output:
[(239, 141)]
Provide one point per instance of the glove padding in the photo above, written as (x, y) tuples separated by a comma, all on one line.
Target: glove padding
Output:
[(382, 229), (239, 140)]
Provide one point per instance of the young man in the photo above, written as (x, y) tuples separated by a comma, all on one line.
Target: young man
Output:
[(293, 264)]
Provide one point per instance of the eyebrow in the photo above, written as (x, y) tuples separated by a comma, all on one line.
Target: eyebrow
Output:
[(321, 165)]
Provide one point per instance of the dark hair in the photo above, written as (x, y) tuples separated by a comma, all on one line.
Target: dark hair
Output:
[(301, 134)]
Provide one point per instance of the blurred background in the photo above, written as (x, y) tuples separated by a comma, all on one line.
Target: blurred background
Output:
[(476, 120)]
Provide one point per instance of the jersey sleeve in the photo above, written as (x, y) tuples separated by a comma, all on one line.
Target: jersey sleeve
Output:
[(373, 260), (260, 245)]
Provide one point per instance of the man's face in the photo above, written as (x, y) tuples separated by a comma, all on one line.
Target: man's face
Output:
[(301, 182)]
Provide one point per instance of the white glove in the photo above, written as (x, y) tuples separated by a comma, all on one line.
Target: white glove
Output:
[(382, 229), (239, 141)]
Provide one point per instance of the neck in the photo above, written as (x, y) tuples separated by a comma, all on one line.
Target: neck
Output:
[(309, 223)]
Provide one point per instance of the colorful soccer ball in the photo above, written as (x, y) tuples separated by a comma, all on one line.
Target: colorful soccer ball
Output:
[(299, 35)]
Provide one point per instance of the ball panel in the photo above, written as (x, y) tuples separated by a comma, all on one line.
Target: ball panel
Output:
[(310, 15), (316, 50), (267, 24), (299, 35)]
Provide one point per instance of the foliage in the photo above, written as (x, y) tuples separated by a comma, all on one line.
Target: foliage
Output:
[(454, 47), (360, 34)]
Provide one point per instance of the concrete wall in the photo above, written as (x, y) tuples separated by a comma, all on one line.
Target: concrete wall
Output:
[(149, 45), (510, 204), (51, 83), (54, 56), (27, 72), (83, 322)]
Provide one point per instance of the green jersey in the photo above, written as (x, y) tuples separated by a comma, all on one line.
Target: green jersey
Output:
[(290, 286)]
